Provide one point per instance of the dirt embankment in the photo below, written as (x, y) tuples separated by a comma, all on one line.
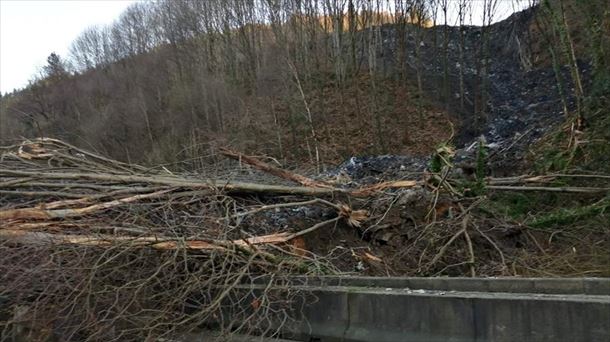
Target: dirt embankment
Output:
[(512, 99)]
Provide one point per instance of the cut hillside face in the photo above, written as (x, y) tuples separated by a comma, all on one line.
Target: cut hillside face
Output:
[(522, 99)]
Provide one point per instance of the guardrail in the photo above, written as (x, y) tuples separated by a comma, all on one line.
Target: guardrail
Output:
[(449, 309)]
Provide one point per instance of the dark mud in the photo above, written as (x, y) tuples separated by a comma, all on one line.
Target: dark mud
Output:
[(374, 169), (522, 101)]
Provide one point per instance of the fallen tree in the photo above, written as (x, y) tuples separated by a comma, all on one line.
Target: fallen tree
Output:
[(61, 202), (95, 249)]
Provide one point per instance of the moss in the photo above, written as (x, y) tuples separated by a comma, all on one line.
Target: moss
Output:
[(567, 216), (481, 169), (436, 163), (442, 157), (510, 205), (597, 148)]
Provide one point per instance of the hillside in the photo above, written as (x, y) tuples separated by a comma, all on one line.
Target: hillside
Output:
[(194, 147), (394, 99), (167, 104)]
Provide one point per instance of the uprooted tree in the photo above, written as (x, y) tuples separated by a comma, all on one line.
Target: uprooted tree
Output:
[(95, 249)]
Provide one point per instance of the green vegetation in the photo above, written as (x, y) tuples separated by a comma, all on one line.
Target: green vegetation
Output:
[(480, 171), (513, 206), (577, 31), (442, 157), (596, 213)]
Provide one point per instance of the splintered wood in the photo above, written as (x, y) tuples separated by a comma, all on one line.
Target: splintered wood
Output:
[(55, 193), (155, 242)]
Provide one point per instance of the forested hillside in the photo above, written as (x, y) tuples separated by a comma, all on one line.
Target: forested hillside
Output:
[(310, 81), (170, 79)]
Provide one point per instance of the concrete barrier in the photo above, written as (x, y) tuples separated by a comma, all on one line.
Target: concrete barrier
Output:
[(451, 309), (587, 286)]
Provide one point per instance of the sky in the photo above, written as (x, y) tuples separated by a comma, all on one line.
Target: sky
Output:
[(30, 30), (503, 9)]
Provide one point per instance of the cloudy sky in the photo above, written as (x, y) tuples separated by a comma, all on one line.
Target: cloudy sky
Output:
[(30, 30)]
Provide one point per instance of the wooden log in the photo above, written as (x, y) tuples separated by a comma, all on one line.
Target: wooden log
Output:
[(222, 185), (160, 243), (582, 190), (40, 213), (272, 170), (519, 180), (370, 190)]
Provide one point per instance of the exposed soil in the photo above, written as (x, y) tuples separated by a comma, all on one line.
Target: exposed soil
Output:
[(523, 101), (523, 104)]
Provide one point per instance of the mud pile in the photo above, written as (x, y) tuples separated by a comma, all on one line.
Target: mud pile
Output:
[(522, 100)]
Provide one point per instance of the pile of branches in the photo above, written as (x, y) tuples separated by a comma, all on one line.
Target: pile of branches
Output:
[(96, 249)]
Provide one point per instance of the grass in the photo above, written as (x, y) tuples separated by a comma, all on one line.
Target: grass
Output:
[(514, 206), (550, 211), (595, 214)]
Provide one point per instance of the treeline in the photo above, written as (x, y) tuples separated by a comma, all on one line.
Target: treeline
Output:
[(315, 80)]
